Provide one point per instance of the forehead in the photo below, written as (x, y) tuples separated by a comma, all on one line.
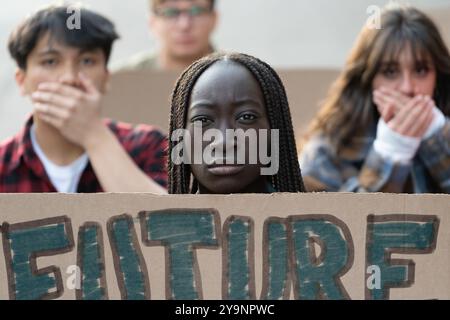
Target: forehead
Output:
[(49, 43), (181, 3), (226, 81), (405, 53)]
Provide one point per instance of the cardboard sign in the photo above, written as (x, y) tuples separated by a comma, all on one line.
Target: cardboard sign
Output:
[(279, 246)]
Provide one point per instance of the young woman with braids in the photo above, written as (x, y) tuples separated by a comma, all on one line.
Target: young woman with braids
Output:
[(223, 91), (385, 126), (232, 91)]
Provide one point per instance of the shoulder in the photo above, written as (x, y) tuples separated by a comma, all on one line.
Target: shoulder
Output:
[(8, 155), (322, 146), (131, 135), (317, 143)]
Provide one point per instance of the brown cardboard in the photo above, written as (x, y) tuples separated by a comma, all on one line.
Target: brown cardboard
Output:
[(352, 211), (144, 96)]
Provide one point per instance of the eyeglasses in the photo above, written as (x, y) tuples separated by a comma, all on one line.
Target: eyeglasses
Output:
[(175, 13)]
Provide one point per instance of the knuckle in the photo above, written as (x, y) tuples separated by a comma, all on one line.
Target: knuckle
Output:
[(72, 104), (78, 96), (70, 112), (96, 97), (64, 120)]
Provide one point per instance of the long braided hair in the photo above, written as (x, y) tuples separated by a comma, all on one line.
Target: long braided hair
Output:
[(288, 178)]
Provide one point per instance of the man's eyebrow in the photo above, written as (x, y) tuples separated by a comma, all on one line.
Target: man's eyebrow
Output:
[(49, 51), (95, 50)]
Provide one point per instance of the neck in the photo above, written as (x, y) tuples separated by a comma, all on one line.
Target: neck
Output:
[(56, 148), (170, 62)]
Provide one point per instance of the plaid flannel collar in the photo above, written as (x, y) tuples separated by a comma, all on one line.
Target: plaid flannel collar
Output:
[(24, 153)]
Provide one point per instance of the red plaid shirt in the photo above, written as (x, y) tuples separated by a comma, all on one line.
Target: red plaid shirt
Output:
[(22, 171)]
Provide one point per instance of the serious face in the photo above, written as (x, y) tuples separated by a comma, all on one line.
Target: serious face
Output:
[(184, 27), (407, 75), (51, 61), (227, 96)]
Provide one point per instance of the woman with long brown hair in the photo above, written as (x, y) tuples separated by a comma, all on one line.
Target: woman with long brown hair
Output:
[(384, 126)]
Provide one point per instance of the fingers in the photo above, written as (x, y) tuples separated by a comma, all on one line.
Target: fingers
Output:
[(56, 113), (75, 112), (386, 108), (43, 114), (422, 122), (54, 99), (392, 101), (61, 89), (414, 119), (411, 108), (87, 84), (389, 102), (395, 94)]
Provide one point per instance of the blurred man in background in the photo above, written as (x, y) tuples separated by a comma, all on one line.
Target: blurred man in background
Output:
[(183, 29)]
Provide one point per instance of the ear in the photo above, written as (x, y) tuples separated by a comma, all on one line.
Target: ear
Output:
[(20, 80)]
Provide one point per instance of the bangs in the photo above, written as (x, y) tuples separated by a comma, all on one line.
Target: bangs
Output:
[(396, 42), (416, 46)]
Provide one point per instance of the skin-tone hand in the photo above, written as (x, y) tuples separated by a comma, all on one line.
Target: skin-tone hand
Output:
[(76, 113), (389, 102), (407, 116)]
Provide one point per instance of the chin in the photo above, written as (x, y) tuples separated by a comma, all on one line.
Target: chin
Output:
[(226, 187), (187, 52)]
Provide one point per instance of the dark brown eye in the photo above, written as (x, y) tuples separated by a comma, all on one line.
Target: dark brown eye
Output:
[(422, 70), (49, 62), (247, 117), (88, 61), (390, 72), (202, 119)]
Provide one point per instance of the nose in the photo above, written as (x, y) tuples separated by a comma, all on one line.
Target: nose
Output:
[(184, 21), (70, 76), (225, 141), (407, 85)]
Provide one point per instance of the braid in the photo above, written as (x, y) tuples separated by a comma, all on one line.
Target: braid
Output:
[(288, 178), (179, 175)]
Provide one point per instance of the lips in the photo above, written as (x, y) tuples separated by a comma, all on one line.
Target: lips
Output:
[(225, 170), (185, 41)]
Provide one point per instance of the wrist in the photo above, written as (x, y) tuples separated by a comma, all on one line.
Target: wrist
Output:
[(394, 146), (96, 135), (436, 125)]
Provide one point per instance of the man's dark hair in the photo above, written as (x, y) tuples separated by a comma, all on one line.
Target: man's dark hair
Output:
[(155, 3), (288, 178), (96, 32)]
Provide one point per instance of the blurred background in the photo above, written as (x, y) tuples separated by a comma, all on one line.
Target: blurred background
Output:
[(288, 34)]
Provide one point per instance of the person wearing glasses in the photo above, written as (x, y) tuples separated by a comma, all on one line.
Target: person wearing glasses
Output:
[(183, 30)]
